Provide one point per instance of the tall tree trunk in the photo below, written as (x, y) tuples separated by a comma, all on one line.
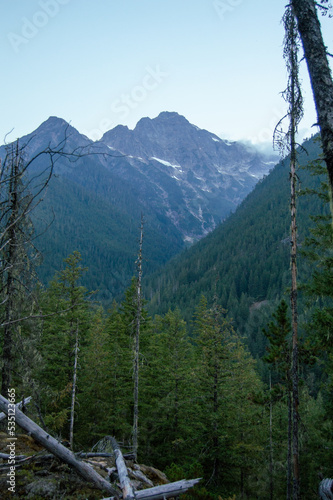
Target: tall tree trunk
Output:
[(137, 347), (271, 481), (293, 258), (290, 440), (10, 263), (320, 74), (76, 355)]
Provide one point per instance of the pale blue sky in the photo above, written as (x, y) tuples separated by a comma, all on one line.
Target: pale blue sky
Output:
[(98, 63)]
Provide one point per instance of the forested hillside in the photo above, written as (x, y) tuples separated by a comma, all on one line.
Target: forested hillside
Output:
[(245, 261), (186, 181), (207, 406)]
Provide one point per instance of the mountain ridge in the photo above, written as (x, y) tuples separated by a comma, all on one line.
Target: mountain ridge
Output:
[(181, 193), (213, 175)]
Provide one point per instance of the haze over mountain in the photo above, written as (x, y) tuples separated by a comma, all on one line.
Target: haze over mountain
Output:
[(184, 181)]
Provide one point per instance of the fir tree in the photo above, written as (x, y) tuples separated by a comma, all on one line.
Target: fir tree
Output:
[(67, 315)]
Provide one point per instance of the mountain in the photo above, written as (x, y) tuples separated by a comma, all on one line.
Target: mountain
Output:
[(201, 178), (182, 179), (245, 261)]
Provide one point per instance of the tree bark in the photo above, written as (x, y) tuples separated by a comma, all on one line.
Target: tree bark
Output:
[(294, 313), (18, 405), (128, 493), (271, 463), (57, 449), (137, 348), (76, 355), (294, 113), (166, 490), (11, 262), (320, 74)]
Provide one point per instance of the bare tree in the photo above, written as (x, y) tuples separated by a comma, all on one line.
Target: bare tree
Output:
[(75, 369), (287, 143), (22, 188), (137, 345)]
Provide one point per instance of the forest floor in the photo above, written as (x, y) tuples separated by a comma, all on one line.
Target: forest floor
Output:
[(45, 477)]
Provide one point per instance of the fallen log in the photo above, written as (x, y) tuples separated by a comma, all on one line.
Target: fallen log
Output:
[(326, 489), (165, 490), (90, 454), (128, 493), (6, 456), (57, 449), (18, 405)]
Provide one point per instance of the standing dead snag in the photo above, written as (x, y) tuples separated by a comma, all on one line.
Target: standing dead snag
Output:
[(287, 141), (57, 449), (137, 346), (22, 189), (295, 113), (76, 355)]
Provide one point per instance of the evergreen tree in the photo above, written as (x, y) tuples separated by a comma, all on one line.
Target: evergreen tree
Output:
[(67, 313), (319, 291), (96, 406), (168, 391), (226, 382), (279, 356)]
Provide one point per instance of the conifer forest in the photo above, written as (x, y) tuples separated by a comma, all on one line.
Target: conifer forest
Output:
[(214, 361)]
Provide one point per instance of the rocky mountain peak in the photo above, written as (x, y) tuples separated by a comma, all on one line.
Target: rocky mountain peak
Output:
[(212, 175)]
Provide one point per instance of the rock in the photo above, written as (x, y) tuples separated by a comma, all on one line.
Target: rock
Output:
[(155, 475), (44, 488)]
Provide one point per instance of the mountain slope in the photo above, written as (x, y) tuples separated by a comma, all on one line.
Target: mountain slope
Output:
[(97, 194), (198, 173), (245, 261)]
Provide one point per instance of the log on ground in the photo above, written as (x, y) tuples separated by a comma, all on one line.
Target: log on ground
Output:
[(57, 449)]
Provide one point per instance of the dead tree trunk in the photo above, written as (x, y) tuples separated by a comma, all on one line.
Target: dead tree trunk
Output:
[(18, 405), (76, 354), (293, 257), (10, 262), (137, 348), (128, 493), (320, 74), (52, 445), (271, 463)]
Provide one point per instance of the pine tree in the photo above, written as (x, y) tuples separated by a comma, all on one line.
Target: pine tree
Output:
[(279, 356), (96, 408), (226, 382), (67, 318), (168, 391)]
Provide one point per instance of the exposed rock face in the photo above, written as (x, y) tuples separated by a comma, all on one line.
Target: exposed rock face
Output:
[(198, 177), (184, 180)]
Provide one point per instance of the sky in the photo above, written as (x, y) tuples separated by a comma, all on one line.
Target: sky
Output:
[(100, 63)]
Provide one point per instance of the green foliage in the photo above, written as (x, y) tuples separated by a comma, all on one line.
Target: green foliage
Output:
[(167, 390), (203, 407), (279, 349), (318, 249), (77, 201), (248, 254), (66, 310), (226, 383)]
